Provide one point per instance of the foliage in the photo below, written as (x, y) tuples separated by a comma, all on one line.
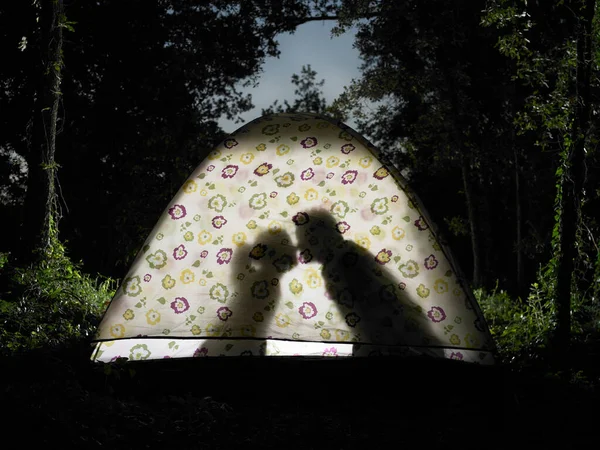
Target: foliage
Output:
[(523, 330), (50, 303)]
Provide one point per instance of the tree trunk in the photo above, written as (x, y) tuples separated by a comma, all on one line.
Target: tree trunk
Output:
[(572, 183), (40, 202), (473, 222), (518, 222)]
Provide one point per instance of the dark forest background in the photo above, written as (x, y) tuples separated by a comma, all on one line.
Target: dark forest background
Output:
[(488, 108)]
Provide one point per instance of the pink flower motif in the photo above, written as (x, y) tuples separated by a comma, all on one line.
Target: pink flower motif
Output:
[(263, 169), (349, 176), (230, 143), (394, 198), (180, 252), (342, 227), (200, 352), (224, 256), (305, 256), (180, 305), (308, 310), (210, 168), (229, 171), (457, 355), (307, 174), (347, 148), (436, 314), (177, 212), (309, 142), (224, 313), (301, 218), (204, 254), (147, 277), (218, 221), (431, 262), (384, 256), (273, 194), (420, 224), (330, 175), (331, 351), (402, 285)]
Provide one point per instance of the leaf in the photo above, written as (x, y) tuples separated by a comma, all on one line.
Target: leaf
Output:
[(321, 184), (228, 347), (332, 193), (196, 263), (275, 171), (397, 259), (212, 186), (146, 247), (216, 242), (254, 183), (321, 323), (267, 308), (406, 218), (161, 300), (448, 273), (187, 224), (294, 138), (375, 188), (209, 275), (201, 176), (171, 344), (192, 317), (223, 159), (342, 166), (138, 305), (284, 213), (318, 151), (290, 305)]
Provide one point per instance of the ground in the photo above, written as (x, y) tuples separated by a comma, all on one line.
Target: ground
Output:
[(60, 398)]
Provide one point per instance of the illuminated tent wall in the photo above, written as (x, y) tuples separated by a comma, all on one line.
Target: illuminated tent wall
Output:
[(293, 238)]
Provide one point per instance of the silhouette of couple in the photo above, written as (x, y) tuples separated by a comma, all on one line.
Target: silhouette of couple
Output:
[(365, 292)]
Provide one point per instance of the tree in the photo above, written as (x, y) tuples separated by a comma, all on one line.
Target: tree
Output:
[(308, 92)]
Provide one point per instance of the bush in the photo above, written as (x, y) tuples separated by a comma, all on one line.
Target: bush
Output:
[(50, 303)]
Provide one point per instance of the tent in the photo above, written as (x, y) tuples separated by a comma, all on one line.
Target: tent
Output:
[(293, 238)]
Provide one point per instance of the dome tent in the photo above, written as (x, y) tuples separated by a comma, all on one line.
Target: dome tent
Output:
[(293, 238)]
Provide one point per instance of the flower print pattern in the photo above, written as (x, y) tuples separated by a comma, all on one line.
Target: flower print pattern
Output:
[(253, 200)]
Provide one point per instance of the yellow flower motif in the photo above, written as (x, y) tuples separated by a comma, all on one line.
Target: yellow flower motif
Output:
[(128, 315), (342, 335), (292, 199), (471, 341), (202, 282), (311, 194), (261, 147), (196, 330), (440, 286), (203, 192), (215, 154), (263, 169), (422, 291), (152, 317), (454, 339), (332, 161), (282, 320), (274, 227), (363, 241), (318, 161), (375, 230), (325, 334), (398, 233), (380, 173), (168, 282), (248, 331), (213, 330), (239, 239), (117, 331), (295, 286), (251, 225), (313, 279), (282, 149), (204, 237), (247, 158), (365, 162), (190, 186), (187, 276)]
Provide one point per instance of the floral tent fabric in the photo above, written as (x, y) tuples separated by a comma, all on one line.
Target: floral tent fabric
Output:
[(293, 237)]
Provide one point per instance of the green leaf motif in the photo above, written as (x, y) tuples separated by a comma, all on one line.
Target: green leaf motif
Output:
[(294, 138), (196, 263), (192, 317), (275, 171), (448, 273), (321, 184), (397, 259), (290, 305), (201, 176), (146, 248), (406, 218), (253, 184), (228, 347), (284, 213), (138, 305), (209, 275), (161, 300)]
